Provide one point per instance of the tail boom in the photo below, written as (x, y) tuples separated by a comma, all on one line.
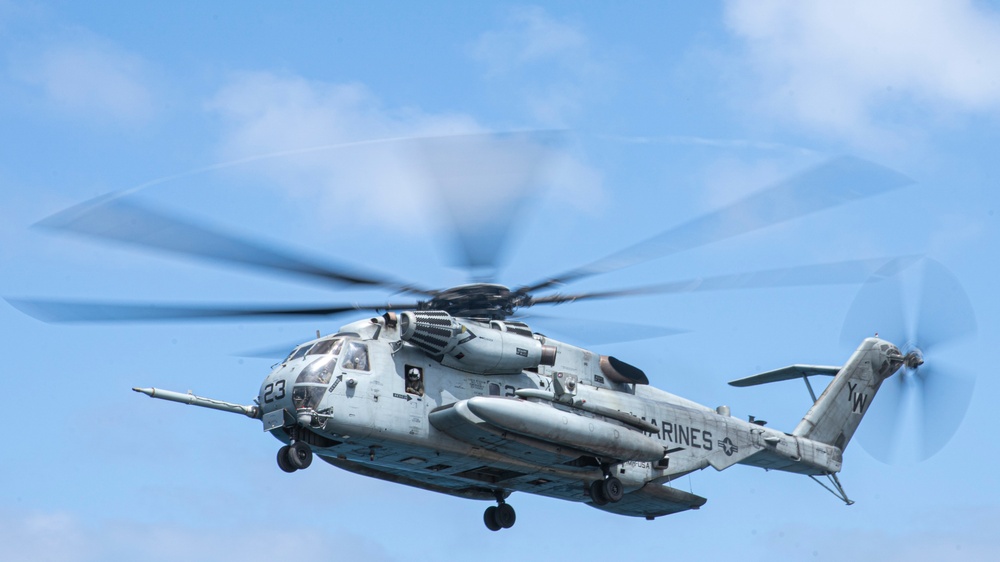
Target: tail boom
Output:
[(837, 413)]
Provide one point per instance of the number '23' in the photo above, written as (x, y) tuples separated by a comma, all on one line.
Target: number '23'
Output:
[(274, 391)]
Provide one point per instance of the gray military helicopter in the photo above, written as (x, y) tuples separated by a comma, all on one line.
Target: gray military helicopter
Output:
[(452, 392)]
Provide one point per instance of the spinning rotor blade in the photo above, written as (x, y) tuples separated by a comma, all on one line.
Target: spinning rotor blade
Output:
[(836, 273), (120, 220), (876, 309), (833, 183), (924, 405), (944, 313), (65, 311), (944, 388), (272, 352), (483, 182)]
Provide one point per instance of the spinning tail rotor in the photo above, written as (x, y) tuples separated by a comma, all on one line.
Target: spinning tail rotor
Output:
[(920, 408)]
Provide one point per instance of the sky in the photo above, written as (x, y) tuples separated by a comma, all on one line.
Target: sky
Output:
[(214, 111)]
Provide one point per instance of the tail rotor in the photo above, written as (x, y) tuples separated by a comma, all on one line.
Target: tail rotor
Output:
[(919, 408)]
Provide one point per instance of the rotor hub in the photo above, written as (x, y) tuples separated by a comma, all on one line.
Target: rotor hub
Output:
[(913, 359), (476, 300)]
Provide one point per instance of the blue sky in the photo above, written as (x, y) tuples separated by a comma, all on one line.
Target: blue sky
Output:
[(678, 109)]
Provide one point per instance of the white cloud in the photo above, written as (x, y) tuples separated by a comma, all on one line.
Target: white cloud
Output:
[(529, 36), (549, 62), (88, 77), (861, 69), (328, 144)]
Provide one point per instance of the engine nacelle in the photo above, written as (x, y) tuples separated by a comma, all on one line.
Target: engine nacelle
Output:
[(474, 347)]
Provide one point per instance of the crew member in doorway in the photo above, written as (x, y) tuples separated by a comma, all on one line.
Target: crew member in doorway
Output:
[(414, 380)]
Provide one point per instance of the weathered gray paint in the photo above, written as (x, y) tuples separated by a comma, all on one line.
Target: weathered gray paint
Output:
[(474, 435)]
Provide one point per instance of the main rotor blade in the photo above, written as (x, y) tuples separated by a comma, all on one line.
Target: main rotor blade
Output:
[(118, 219), (272, 352), (482, 183), (835, 273), (828, 185), (67, 311)]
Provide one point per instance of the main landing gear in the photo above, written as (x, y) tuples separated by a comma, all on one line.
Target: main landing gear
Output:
[(296, 456), (608, 490), (500, 516)]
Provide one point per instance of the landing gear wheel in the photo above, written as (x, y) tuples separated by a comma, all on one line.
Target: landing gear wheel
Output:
[(612, 489), (490, 518), (300, 455), (505, 515), (284, 463), (597, 493)]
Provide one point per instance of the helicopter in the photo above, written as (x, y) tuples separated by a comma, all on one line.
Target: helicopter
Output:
[(453, 392)]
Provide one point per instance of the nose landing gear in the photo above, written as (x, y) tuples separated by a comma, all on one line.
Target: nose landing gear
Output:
[(500, 516), (296, 456)]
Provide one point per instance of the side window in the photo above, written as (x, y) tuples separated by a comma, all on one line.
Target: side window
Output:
[(355, 356), (414, 380)]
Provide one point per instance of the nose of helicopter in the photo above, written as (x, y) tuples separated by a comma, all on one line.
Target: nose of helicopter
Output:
[(276, 391)]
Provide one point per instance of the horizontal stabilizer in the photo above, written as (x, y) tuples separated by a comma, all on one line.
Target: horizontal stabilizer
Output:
[(786, 373), (653, 500)]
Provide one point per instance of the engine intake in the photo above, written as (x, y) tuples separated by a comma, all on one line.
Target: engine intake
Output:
[(474, 347)]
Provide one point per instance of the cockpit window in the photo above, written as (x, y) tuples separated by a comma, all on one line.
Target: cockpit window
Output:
[(307, 397), (319, 371), (299, 352), (327, 346), (355, 356)]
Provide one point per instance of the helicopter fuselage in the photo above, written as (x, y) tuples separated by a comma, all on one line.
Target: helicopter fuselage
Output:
[(367, 401)]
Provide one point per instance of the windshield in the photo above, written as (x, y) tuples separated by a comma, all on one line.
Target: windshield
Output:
[(297, 352), (326, 346), (319, 371), (320, 348)]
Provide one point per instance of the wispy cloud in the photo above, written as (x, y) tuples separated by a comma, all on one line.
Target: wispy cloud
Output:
[(340, 146), (529, 36), (868, 71), (549, 62), (87, 77)]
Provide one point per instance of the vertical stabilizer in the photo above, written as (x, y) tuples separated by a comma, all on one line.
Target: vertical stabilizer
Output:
[(835, 416)]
